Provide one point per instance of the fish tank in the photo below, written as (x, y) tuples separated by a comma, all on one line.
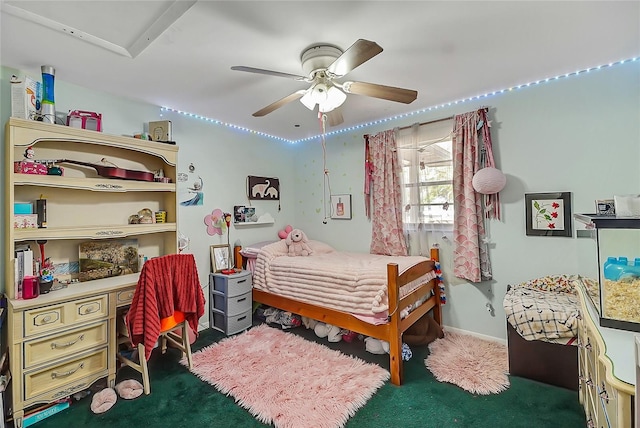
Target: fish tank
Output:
[(609, 254)]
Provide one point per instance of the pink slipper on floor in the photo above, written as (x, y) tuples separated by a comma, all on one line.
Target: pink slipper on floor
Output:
[(103, 400), (129, 389)]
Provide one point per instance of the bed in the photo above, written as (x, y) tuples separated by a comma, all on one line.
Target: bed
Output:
[(542, 326), (409, 291)]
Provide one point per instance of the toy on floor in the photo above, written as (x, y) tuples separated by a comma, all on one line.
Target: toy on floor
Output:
[(331, 332), (285, 319), (377, 346), (349, 336), (423, 331)]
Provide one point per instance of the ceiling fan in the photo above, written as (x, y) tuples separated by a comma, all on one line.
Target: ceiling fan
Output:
[(324, 63)]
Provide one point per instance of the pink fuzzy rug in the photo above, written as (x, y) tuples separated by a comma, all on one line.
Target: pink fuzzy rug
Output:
[(283, 379), (475, 365)]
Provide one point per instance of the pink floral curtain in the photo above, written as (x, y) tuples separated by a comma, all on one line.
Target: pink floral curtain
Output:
[(470, 256), (385, 194)]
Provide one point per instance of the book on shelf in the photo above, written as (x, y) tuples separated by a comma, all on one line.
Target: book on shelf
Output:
[(23, 266)]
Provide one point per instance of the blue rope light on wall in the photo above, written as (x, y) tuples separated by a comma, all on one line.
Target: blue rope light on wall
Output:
[(404, 115)]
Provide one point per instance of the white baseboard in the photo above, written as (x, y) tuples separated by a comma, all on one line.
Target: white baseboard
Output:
[(472, 333)]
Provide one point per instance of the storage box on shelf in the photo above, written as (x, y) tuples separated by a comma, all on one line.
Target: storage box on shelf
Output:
[(230, 301), (612, 263), (63, 341)]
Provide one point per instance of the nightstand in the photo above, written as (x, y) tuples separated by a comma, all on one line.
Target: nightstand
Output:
[(230, 302)]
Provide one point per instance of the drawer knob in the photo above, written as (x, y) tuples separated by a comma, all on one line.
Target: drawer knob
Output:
[(55, 375), (67, 344), (89, 309), (48, 318)]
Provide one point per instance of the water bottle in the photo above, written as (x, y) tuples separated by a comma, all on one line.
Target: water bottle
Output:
[(47, 106)]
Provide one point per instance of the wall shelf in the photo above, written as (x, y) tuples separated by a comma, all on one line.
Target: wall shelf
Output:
[(253, 223), (264, 220)]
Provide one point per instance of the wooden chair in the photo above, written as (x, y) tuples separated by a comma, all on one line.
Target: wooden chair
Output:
[(156, 289), (167, 334)]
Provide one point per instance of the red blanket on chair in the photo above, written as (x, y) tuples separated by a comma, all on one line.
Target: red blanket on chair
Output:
[(166, 284)]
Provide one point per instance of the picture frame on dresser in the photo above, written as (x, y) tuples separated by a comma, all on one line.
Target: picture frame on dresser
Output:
[(220, 259)]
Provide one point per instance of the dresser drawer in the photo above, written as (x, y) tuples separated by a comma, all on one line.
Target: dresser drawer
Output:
[(59, 346), (232, 305), (230, 324), (63, 315), (232, 285), (56, 377), (124, 297)]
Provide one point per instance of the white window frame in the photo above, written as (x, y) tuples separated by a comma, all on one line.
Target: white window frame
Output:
[(411, 143)]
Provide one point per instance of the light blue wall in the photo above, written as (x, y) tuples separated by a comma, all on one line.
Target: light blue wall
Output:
[(579, 134)]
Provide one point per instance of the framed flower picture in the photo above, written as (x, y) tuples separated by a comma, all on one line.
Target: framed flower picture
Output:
[(548, 214)]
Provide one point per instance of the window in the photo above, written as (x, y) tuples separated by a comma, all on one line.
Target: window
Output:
[(425, 152)]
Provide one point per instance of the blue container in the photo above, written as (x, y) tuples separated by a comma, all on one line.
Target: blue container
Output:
[(22, 208), (619, 269)]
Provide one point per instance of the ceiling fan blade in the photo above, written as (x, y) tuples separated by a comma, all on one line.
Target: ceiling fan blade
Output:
[(406, 96), (359, 52), (281, 102), (334, 117), (268, 72)]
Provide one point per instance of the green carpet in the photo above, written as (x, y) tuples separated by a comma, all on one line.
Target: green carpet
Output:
[(179, 399)]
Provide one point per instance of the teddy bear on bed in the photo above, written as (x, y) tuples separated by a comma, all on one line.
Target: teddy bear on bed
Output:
[(297, 243)]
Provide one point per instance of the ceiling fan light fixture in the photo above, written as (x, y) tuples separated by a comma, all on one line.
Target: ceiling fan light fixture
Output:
[(307, 100), (317, 94), (335, 98)]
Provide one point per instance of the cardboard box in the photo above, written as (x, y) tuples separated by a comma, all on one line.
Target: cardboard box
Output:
[(160, 131), (25, 221), (26, 94)]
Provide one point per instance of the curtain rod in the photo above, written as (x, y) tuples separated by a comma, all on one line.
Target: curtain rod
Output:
[(440, 120), (429, 122)]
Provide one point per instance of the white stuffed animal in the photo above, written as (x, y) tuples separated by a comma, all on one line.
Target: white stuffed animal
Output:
[(297, 243)]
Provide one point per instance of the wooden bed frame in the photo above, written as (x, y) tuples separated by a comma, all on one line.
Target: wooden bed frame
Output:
[(391, 331)]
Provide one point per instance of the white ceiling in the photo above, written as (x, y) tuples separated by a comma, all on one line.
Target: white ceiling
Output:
[(178, 54)]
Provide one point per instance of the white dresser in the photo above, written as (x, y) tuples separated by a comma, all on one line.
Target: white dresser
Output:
[(606, 368), (62, 342)]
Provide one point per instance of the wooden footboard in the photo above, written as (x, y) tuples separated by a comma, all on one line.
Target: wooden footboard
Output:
[(391, 331)]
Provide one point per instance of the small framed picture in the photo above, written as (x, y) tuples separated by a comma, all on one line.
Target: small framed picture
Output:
[(341, 207), (548, 214), (605, 207), (220, 258)]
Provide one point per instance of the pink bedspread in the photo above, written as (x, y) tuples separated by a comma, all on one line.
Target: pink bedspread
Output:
[(349, 282)]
